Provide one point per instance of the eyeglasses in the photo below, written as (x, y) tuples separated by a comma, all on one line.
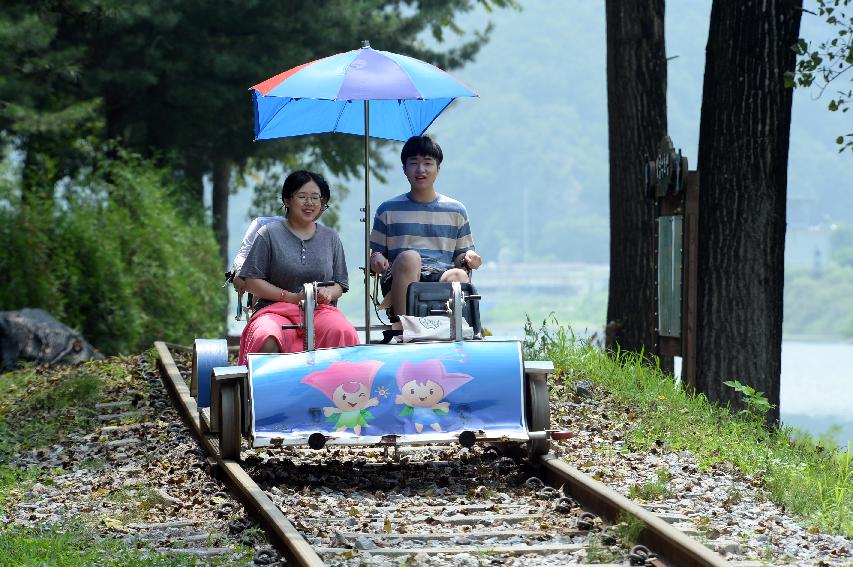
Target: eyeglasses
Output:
[(303, 198)]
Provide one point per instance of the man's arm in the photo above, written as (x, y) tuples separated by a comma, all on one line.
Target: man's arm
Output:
[(378, 243), (465, 255)]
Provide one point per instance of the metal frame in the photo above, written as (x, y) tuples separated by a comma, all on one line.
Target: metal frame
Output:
[(231, 390), (226, 380)]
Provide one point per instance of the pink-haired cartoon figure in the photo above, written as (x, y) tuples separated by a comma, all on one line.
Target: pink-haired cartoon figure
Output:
[(348, 385), (422, 387)]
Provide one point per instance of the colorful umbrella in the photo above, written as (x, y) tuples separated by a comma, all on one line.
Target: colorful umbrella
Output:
[(364, 92)]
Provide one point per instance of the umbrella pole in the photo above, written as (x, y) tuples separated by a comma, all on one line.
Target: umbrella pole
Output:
[(366, 222)]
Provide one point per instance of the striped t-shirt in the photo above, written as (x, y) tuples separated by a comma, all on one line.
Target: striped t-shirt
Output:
[(438, 230)]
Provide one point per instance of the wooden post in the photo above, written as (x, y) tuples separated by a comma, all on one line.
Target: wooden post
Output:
[(676, 194)]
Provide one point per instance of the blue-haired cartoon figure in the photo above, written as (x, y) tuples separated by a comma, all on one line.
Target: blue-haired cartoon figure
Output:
[(422, 387), (348, 385)]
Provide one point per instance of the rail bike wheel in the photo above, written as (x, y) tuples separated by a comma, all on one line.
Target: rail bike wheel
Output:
[(207, 355), (230, 435), (538, 412)]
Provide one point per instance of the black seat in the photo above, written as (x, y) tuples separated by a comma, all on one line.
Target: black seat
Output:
[(422, 298)]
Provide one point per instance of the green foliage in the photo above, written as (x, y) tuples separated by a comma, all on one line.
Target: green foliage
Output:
[(628, 529), (812, 480), (657, 489), (113, 256), (842, 246), (594, 227), (756, 403), (76, 546), (551, 341), (597, 552), (36, 412), (46, 109), (12, 478), (819, 304), (822, 64)]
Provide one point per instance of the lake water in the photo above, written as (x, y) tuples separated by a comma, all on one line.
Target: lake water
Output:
[(817, 387)]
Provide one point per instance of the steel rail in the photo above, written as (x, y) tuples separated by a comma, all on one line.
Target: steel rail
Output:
[(674, 548), (283, 534)]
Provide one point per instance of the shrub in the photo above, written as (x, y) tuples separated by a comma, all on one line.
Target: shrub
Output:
[(113, 256)]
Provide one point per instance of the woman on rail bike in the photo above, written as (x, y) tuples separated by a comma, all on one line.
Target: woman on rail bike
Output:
[(284, 256)]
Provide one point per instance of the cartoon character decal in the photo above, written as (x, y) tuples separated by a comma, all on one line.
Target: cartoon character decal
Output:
[(422, 387), (348, 385)]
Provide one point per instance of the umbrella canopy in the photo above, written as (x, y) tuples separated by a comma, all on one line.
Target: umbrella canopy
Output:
[(406, 95), (365, 92)]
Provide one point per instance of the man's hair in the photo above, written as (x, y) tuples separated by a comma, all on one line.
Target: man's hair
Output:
[(421, 146), (300, 177)]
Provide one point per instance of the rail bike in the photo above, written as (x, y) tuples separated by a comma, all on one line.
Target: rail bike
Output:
[(449, 389)]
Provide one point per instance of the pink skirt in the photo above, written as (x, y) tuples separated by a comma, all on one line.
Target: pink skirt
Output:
[(331, 329)]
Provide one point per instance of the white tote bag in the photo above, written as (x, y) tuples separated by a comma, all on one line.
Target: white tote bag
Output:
[(431, 328)]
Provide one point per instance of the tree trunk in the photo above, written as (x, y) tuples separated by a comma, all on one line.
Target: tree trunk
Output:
[(221, 184), (743, 160), (194, 171), (636, 116)]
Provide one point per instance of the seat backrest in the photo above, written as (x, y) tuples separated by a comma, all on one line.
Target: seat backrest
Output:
[(424, 297)]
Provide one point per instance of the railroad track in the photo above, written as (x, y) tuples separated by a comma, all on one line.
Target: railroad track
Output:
[(351, 506)]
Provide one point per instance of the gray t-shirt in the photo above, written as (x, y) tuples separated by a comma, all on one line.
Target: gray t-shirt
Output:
[(285, 260)]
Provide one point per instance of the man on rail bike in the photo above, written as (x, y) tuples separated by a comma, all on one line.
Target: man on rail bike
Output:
[(420, 235)]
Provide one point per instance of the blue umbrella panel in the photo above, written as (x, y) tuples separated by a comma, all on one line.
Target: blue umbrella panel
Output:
[(415, 393)]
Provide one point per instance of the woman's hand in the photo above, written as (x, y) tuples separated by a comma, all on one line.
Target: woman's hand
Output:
[(328, 294), (324, 296)]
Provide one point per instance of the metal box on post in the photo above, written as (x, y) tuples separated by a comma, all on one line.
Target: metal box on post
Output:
[(675, 191), (670, 255)]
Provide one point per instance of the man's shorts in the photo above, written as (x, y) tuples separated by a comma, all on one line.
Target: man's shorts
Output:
[(427, 275)]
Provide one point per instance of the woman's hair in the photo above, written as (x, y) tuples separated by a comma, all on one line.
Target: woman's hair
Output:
[(421, 146), (300, 177)]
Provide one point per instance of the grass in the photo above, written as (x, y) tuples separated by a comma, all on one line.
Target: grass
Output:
[(811, 479), (12, 479), (76, 546), (142, 497), (655, 490), (40, 406), (628, 529), (597, 552)]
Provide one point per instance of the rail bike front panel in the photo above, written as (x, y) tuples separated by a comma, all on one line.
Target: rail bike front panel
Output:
[(389, 394)]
